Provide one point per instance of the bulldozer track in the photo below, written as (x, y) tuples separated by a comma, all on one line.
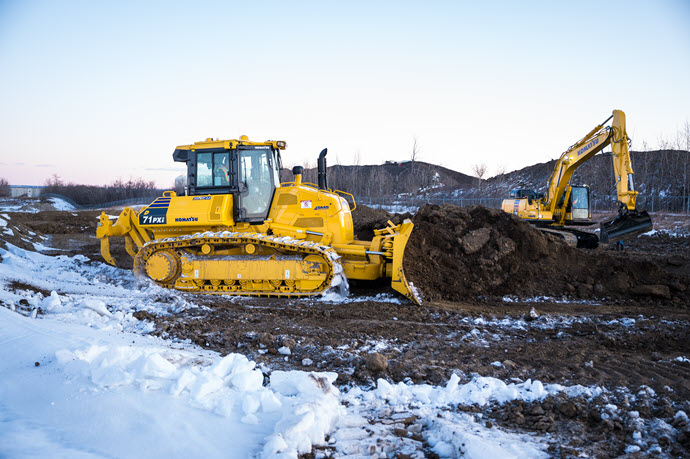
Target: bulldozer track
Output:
[(181, 248)]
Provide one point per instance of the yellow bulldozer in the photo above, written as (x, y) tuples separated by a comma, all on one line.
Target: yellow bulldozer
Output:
[(563, 205), (240, 231)]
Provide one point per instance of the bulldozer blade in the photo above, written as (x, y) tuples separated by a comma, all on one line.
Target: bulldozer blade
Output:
[(626, 224), (398, 280)]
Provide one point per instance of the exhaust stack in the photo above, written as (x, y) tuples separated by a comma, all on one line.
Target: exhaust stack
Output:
[(323, 178)]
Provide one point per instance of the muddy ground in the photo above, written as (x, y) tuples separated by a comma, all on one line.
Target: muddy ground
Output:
[(502, 300)]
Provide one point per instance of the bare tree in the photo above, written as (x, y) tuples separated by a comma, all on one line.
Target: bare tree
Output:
[(479, 172), (180, 185), (501, 174), (357, 158), (54, 181), (684, 142), (4, 187), (415, 153)]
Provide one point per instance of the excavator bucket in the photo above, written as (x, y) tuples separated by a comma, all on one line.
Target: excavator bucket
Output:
[(626, 224)]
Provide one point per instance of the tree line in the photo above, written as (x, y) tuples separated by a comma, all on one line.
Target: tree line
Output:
[(118, 190)]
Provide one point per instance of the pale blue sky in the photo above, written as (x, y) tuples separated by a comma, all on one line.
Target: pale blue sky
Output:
[(98, 90)]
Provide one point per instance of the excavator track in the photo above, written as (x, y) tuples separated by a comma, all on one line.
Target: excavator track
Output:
[(241, 263)]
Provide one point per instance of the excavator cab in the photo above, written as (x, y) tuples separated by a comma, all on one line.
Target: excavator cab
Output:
[(579, 205)]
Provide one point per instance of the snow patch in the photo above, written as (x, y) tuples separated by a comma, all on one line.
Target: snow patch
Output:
[(61, 205)]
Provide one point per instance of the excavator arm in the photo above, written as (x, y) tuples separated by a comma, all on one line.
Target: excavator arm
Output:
[(578, 154), (622, 166)]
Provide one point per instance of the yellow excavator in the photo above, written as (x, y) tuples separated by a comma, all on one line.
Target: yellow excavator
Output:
[(239, 231), (563, 205)]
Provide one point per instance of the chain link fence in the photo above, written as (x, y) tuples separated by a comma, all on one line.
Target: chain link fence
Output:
[(676, 204), (124, 202)]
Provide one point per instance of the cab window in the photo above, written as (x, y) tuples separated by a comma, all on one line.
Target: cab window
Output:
[(578, 198), (204, 167), (213, 169), (256, 177), (221, 169)]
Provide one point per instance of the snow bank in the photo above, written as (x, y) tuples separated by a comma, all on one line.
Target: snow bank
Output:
[(459, 435), (449, 433), (335, 297), (84, 398), (674, 232), (33, 205), (314, 412), (479, 391), (302, 406)]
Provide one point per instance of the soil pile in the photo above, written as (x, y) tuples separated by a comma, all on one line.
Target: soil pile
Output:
[(458, 253), (366, 220)]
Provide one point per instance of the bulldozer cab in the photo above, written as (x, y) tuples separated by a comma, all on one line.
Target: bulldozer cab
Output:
[(250, 172)]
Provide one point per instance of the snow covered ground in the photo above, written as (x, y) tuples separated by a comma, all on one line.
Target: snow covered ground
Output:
[(33, 205), (83, 377)]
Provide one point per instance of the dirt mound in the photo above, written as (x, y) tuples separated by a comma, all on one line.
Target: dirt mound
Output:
[(366, 220), (458, 253), (56, 222), (58, 233)]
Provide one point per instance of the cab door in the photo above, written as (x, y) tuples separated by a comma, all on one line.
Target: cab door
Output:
[(579, 205), (256, 183)]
